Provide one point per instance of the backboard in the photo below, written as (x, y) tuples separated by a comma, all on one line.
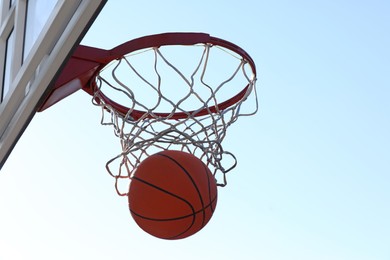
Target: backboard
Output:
[(36, 39)]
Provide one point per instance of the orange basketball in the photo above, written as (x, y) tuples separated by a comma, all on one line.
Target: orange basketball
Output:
[(172, 195)]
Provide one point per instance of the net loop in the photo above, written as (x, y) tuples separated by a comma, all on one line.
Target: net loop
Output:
[(175, 101)]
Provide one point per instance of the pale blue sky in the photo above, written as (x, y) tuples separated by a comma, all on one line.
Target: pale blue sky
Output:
[(313, 173)]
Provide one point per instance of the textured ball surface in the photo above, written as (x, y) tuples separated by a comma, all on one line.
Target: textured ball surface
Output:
[(172, 195)]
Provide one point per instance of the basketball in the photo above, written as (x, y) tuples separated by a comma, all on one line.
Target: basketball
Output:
[(172, 195)]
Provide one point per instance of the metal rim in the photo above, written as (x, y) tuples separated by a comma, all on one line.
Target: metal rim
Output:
[(166, 39)]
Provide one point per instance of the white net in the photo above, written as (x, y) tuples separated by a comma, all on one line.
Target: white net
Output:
[(185, 95)]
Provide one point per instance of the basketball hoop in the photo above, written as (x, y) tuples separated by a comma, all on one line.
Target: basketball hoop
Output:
[(172, 91)]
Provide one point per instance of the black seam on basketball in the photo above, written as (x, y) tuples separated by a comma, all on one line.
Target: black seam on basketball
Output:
[(191, 179), (174, 195), (176, 218), (165, 191)]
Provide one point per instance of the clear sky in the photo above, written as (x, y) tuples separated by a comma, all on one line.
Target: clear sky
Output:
[(313, 173)]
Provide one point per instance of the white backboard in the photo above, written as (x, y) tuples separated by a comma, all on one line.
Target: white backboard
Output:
[(36, 38)]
